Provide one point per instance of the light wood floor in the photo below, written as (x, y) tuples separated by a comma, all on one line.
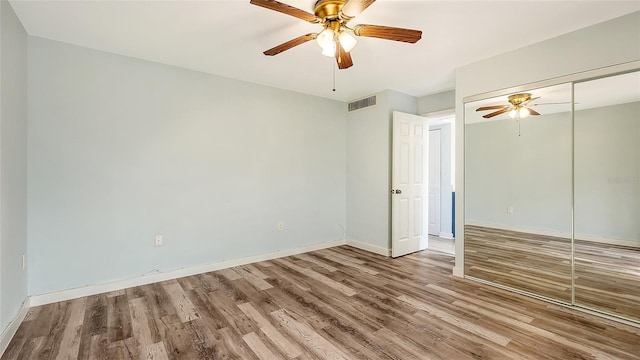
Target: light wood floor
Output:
[(447, 246), (607, 277), (339, 303), (534, 263)]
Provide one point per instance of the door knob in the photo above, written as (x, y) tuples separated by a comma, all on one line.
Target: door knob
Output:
[(396, 191)]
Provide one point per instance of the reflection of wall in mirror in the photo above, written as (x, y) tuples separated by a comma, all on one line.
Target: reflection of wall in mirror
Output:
[(529, 174), (607, 172), (532, 174)]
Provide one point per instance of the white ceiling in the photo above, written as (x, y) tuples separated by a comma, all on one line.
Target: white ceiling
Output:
[(227, 38)]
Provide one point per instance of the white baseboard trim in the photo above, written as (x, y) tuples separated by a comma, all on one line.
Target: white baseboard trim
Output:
[(566, 235), (458, 271), (446, 235), (601, 240), (12, 327), (544, 232), (368, 247), (63, 295)]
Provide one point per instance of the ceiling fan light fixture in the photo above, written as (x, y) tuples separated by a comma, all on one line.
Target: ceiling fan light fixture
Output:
[(347, 41), (519, 112), (329, 49), (333, 16), (326, 38)]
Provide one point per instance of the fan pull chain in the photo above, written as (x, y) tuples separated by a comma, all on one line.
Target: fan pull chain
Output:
[(518, 125), (334, 77)]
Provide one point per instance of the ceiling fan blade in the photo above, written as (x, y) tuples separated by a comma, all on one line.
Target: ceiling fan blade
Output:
[(554, 103), (289, 44), (286, 9), (354, 7), (388, 33), (530, 100), (532, 112), (342, 57), (507, 109), (491, 107)]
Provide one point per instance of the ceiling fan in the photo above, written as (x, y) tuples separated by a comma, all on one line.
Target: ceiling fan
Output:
[(520, 106), (335, 38)]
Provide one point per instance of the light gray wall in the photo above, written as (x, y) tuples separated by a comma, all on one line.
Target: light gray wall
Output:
[(607, 172), (437, 102), (369, 168), (121, 150), (530, 172), (612, 42), (13, 164)]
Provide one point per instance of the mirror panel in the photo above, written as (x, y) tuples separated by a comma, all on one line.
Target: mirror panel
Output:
[(518, 203), (607, 195)]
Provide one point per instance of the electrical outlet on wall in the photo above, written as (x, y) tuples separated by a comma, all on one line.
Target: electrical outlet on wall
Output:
[(159, 241), (281, 226), (510, 209)]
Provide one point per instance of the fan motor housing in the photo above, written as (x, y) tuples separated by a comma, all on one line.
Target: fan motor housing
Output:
[(518, 99), (328, 9)]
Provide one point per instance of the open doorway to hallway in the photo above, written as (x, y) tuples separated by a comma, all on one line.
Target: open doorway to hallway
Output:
[(442, 245), (441, 181)]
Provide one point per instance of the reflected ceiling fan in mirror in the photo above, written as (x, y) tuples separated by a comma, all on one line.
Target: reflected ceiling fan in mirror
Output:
[(336, 37), (519, 107)]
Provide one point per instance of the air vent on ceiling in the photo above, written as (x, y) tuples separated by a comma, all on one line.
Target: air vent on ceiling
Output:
[(363, 103)]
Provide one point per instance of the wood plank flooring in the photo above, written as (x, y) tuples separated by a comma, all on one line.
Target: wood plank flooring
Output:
[(535, 263), (447, 246), (607, 276), (338, 303)]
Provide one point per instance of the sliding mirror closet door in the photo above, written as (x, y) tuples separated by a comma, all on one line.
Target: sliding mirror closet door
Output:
[(518, 191), (607, 195)]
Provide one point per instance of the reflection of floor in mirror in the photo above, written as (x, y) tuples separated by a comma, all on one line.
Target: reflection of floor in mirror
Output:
[(606, 275), (534, 263), (443, 245)]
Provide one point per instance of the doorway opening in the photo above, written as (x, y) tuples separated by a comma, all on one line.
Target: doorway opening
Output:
[(441, 174), (422, 177)]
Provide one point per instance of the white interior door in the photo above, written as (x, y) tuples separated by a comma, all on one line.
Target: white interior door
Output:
[(409, 184), (434, 182)]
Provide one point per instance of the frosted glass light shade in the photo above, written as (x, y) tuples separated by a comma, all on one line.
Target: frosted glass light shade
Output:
[(347, 41), (325, 38), (521, 113), (329, 49)]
